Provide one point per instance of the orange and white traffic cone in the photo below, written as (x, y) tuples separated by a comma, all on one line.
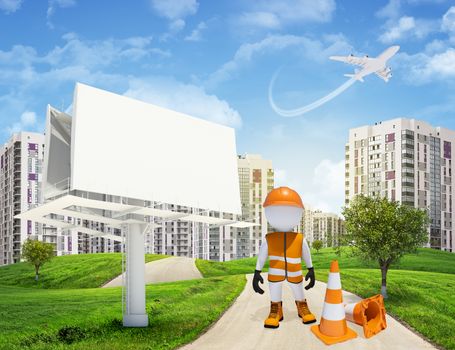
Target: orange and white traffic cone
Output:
[(333, 328), (369, 313)]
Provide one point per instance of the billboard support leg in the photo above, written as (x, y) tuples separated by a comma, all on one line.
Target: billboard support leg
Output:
[(135, 315)]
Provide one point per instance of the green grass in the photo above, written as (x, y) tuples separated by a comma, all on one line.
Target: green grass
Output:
[(70, 271), (178, 312), (424, 260), (421, 293), (424, 300), (421, 287)]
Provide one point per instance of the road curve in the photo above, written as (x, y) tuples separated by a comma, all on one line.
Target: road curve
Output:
[(165, 270), (241, 327)]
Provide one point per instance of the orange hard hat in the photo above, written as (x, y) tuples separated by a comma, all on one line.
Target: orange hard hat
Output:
[(283, 196)]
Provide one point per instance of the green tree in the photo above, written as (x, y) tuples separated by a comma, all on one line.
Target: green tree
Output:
[(37, 253), (383, 231), (317, 244)]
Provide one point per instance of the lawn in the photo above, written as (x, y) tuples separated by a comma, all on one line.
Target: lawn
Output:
[(70, 271), (421, 287), (424, 260), (424, 300), (421, 290), (178, 311)]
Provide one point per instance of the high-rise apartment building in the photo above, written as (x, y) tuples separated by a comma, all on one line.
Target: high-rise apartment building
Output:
[(20, 189), (178, 238), (317, 225), (306, 223), (328, 228), (409, 161), (256, 177)]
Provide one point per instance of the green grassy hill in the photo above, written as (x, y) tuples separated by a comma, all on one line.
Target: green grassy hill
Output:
[(64, 310), (39, 319), (70, 271), (424, 260), (421, 290)]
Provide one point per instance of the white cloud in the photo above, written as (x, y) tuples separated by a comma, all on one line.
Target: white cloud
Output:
[(196, 34), (29, 75), (259, 19), (52, 7), (429, 66), (407, 27), (448, 23), (184, 98), (28, 121), (275, 14), (391, 10), (435, 46), (28, 118), (441, 64), (10, 6), (90, 54), (405, 24), (175, 9), (313, 49), (327, 187)]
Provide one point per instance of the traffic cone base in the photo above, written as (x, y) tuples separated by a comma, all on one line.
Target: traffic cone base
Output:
[(369, 313), (328, 340), (333, 326)]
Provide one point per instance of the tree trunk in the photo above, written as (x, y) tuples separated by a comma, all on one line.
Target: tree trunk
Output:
[(36, 273), (384, 269)]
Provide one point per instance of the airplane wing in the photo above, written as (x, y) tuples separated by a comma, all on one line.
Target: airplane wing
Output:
[(356, 61), (385, 74)]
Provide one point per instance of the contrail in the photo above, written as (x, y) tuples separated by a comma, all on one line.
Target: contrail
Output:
[(304, 109)]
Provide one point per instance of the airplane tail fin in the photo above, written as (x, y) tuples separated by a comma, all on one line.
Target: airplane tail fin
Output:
[(354, 76)]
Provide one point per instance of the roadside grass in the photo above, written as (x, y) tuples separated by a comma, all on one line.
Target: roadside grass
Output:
[(424, 260), (91, 318), (69, 271), (423, 300)]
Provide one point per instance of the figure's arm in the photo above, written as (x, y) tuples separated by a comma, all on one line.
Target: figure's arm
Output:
[(262, 257), (306, 254)]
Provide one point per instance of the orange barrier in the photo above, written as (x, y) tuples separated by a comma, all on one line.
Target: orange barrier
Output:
[(333, 328), (369, 313)]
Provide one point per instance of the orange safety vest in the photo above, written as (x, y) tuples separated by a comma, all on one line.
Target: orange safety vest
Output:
[(285, 256)]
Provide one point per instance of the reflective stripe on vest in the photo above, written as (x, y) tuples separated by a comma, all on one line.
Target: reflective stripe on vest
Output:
[(285, 256)]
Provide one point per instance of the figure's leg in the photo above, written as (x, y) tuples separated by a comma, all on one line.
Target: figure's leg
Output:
[(297, 290), (302, 306), (276, 291), (276, 306)]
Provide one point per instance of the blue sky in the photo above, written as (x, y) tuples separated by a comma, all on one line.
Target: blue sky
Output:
[(215, 59)]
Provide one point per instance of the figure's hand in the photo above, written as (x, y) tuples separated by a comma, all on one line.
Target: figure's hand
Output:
[(310, 275), (256, 279)]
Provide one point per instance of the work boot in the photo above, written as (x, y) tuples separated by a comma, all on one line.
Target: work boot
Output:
[(304, 312), (275, 316)]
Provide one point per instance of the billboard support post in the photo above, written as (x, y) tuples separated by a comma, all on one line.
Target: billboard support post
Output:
[(136, 314)]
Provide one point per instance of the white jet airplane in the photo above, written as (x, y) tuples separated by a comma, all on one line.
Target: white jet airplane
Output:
[(370, 65)]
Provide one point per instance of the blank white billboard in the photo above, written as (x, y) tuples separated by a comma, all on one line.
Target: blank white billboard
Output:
[(124, 147)]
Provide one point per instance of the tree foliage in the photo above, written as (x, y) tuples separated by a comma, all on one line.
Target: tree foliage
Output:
[(317, 244), (37, 253), (383, 230)]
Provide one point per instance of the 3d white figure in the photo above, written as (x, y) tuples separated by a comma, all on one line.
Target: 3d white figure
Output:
[(285, 249)]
